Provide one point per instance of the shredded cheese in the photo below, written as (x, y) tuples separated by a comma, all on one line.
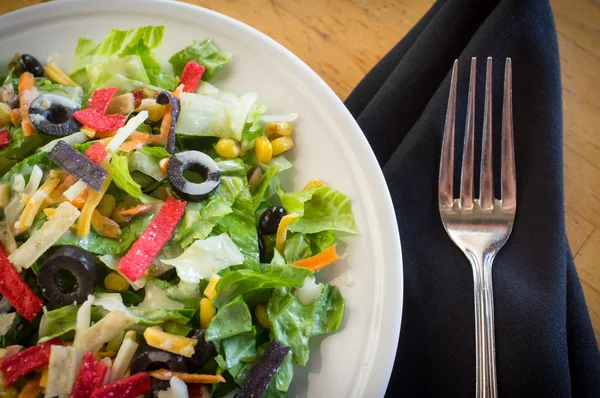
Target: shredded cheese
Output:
[(62, 370), (36, 201), (4, 195), (123, 359), (7, 238), (94, 198), (56, 74), (179, 345), (108, 327), (84, 315), (46, 236)]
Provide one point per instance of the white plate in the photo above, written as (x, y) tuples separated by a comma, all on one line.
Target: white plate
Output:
[(357, 361)]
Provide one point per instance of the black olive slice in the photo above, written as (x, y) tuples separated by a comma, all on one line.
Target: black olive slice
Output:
[(203, 351), (197, 162), (164, 98), (150, 359), (270, 218), (68, 276), (53, 115)]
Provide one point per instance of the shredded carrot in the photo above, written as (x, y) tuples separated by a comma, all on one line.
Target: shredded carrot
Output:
[(105, 225), (137, 210), (105, 134), (31, 390), (80, 200), (26, 94), (163, 192), (321, 260), (282, 231), (163, 164), (166, 374)]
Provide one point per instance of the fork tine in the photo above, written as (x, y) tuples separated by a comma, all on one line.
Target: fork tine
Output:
[(509, 179), (466, 177), (445, 183), (486, 186)]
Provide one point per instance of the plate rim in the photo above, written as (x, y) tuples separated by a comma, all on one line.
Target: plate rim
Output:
[(386, 344)]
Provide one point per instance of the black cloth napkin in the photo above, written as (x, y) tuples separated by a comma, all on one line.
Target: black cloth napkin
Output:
[(545, 345)]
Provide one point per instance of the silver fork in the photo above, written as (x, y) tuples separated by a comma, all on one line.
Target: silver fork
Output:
[(480, 227)]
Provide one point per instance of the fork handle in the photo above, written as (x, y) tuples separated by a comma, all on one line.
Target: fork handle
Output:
[(485, 356)]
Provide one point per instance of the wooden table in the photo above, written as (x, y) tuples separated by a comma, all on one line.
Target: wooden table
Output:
[(357, 33)]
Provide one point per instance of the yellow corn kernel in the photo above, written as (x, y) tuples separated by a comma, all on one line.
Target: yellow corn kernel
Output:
[(49, 211), (107, 354), (260, 312), (155, 111), (4, 195), (282, 144), (282, 231), (164, 165), (56, 74), (278, 129), (207, 312), (314, 183), (157, 338), (107, 205), (116, 282), (263, 149), (44, 378), (15, 117), (210, 290), (228, 148)]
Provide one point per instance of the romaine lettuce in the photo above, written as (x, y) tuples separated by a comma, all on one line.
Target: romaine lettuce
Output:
[(293, 323), (321, 209), (204, 53), (231, 320), (119, 166)]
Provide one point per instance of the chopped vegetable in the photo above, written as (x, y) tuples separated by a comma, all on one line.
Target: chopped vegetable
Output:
[(31, 358), (228, 148), (263, 149), (26, 96), (46, 236), (78, 165), (207, 312), (191, 76), (101, 99), (97, 152), (143, 208), (321, 260), (18, 293), (166, 374), (210, 290), (130, 387), (63, 368), (281, 145), (4, 138), (123, 104), (179, 345), (105, 226), (278, 129), (138, 258), (91, 375), (108, 327), (167, 127), (282, 231), (263, 371)]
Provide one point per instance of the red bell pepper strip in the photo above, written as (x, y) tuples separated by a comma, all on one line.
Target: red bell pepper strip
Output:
[(191, 76), (98, 121), (138, 258), (97, 152), (4, 137), (130, 387), (18, 365), (16, 291), (101, 99), (91, 375)]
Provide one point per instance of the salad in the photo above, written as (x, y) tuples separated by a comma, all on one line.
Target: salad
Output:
[(146, 244)]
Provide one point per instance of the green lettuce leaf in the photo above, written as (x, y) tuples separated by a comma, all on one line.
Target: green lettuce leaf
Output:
[(20, 147), (187, 293), (58, 323), (253, 128), (233, 319), (293, 324), (84, 54), (155, 316), (174, 328), (240, 225), (203, 53), (246, 281), (263, 184), (238, 348), (297, 248), (285, 373), (72, 93), (157, 152), (119, 166), (321, 209), (147, 164)]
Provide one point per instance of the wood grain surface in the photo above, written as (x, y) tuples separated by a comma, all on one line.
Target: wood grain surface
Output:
[(357, 33)]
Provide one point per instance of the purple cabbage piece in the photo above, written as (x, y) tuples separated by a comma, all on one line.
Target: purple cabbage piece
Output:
[(164, 98), (77, 164), (263, 371)]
